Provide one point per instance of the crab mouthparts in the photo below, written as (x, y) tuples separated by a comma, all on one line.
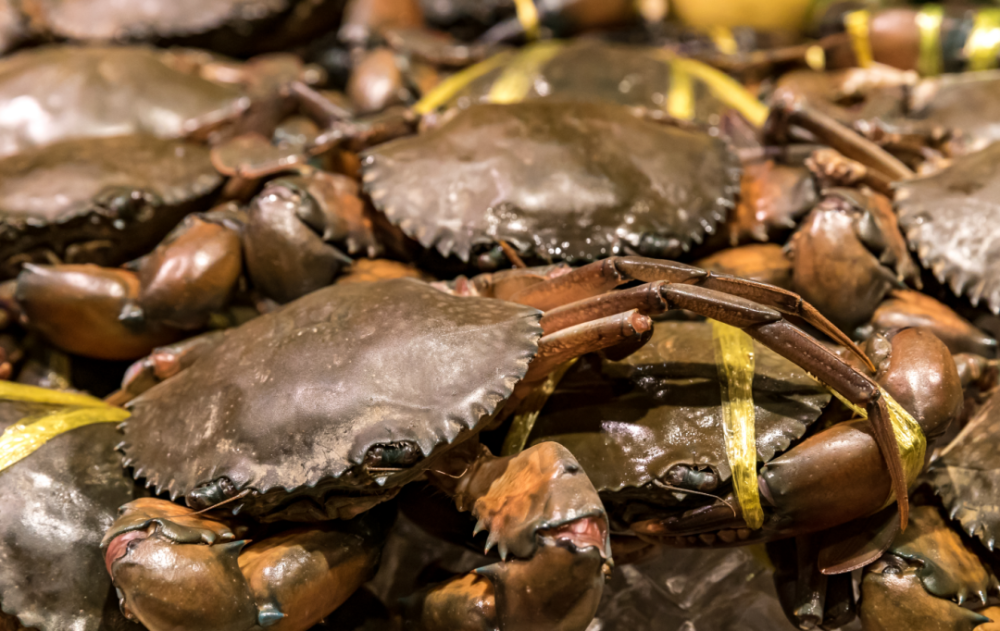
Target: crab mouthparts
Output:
[(582, 533)]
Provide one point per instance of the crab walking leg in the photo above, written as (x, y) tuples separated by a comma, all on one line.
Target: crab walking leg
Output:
[(768, 327), (840, 137), (176, 569), (583, 338), (549, 526), (592, 280)]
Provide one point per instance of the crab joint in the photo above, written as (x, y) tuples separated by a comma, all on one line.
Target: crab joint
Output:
[(734, 358), (910, 438)]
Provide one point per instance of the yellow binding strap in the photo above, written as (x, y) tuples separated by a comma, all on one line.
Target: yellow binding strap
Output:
[(519, 75), (856, 23), (929, 22), (726, 89), (910, 438), (527, 15), (10, 391), (447, 89), (23, 438), (680, 96), (724, 40), (983, 45), (734, 359), (529, 409)]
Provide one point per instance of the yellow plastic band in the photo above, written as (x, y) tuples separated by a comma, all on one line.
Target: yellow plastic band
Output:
[(527, 15), (910, 438), (520, 74), (680, 96), (856, 23), (983, 45), (722, 37), (816, 58), (22, 439), (529, 409), (723, 87), (734, 359), (447, 89), (11, 391), (929, 23)]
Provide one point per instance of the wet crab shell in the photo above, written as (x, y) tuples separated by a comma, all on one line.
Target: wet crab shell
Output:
[(121, 194), (967, 475), (661, 407), (87, 20), (949, 218), (57, 503), (293, 401), (55, 93), (590, 70), (565, 181)]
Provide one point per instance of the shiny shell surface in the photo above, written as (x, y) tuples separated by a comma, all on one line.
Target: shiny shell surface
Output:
[(950, 219), (56, 93), (559, 180), (57, 503), (598, 72), (299, 396), (967, 475), (103, 20), (121, 194), (662, 408)]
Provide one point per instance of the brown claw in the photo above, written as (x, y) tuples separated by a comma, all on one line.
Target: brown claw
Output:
[(542, 494)]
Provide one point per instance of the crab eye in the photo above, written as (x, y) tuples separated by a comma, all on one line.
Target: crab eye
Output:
[(398, 455)]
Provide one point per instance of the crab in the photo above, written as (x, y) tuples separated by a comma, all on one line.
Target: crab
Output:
[(648, 428), (625, 193), (58, 500), (55, 93), (231, 26), (537, 506), (925, 121), (115, 198), (799, 493)]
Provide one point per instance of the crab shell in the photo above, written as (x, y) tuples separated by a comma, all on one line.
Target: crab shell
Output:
[(670, 414), (230, 25), (950, 219), (967, 475), (57, 503), (122, 194), (56, 93), (593, 71), (559, 180), (293, 402)]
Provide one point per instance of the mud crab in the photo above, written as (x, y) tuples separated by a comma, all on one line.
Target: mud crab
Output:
[(116, 197), (340, 475), (487, 159), (56, 93), (233, 26), (58, 500), (664, 402)]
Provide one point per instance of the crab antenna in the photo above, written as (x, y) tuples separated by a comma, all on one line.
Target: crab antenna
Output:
[(238, 496)]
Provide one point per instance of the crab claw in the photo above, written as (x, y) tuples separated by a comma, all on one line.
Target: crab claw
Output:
[(543, 497), (927, 575), (175, 569), (166, 575), (549, 526), (837, 475)]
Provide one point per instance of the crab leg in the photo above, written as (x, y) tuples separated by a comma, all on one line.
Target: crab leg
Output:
[(586, 337), (841, 138), (767, 326), (598, 278)]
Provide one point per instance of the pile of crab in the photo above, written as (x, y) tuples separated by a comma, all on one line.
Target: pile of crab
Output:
[(289, 289)]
